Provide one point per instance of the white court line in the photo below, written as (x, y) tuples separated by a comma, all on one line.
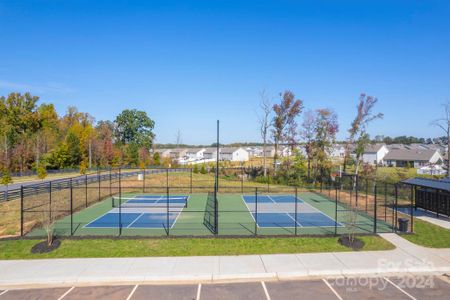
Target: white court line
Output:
[(249, 210), (271, 199), (132, 292), (400, 289), (66, 293), (4, 292), (332, 289), (265, 290), (295, 221), (339, 224), (199, 291), (135, 220)]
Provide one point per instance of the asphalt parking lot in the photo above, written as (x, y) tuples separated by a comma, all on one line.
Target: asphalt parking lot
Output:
[(405, 287)]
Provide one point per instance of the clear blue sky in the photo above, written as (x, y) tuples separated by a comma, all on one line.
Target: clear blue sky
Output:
[(188, 63)]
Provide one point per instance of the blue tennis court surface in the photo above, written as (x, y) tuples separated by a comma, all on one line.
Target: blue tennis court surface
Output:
[(286, 211), (142, 211), (271, 199)]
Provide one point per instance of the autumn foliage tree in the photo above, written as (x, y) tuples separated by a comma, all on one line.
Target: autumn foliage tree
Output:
[(34, 136), (358, 135), (285, 121)]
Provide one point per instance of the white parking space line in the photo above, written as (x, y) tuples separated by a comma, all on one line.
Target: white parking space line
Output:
[(199, 290), (400, 289), (265, 290), (4, 292), (132, 292), (332, 289), (66, 293)]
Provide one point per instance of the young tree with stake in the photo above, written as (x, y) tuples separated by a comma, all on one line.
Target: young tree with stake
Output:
[(358, 135), (284, 120), (265, 124)]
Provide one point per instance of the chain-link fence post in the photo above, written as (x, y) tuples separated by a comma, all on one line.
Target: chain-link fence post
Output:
[(71, 207), (21, 210), (256, 211), (296, 209), (375, 209)]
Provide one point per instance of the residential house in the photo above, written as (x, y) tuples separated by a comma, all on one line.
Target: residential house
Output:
[(195, 153), (270, 151), (178, 153), (210, 154), (413, 158), (233, 154), (337, 151), (374, 154)]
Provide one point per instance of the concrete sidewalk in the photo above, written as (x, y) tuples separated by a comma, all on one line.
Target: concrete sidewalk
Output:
[(406, 258)]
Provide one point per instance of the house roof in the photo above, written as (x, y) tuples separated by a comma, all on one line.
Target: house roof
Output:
[(178, 150), (373, 148), (410, 155), (229, 150), (195, 150), (443, 184), (210, 150)]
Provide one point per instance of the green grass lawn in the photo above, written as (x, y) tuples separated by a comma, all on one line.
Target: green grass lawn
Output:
[(429, 235), (20, 249)]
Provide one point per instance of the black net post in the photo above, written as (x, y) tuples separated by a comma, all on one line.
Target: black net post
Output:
[(367, 194), (86, 189), (385, 201), (412, 210), (167, 178), (242, 179), (167, 208), (50, 200), (143, 180), (120, 202), (296, 210), (21, 210), (71, 207), (216, 213), (268, 182), (99, 187), (190, 183), (256, 211), (110, 182), (329, 187), (356, 190), (375, 208), (335, 210)]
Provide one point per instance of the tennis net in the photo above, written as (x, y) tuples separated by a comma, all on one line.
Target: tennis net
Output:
[(148, 202), (211, 216)]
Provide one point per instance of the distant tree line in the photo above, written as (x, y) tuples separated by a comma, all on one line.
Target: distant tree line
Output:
[(34, 136), (407, 140)]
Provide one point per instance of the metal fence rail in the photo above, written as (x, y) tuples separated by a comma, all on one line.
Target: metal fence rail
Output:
[(84, 205)]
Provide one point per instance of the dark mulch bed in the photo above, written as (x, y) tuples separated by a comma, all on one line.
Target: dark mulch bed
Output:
[(43, 247), (356, 245)]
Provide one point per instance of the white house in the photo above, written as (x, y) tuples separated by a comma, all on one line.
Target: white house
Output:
[(233, 154), (254, 151), (337, 151), (210, 154), (413, 158), (178, 153), (270, 151), (374, 154), (195, 153)]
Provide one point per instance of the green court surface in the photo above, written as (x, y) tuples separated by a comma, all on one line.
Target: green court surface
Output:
[(234, 219)]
